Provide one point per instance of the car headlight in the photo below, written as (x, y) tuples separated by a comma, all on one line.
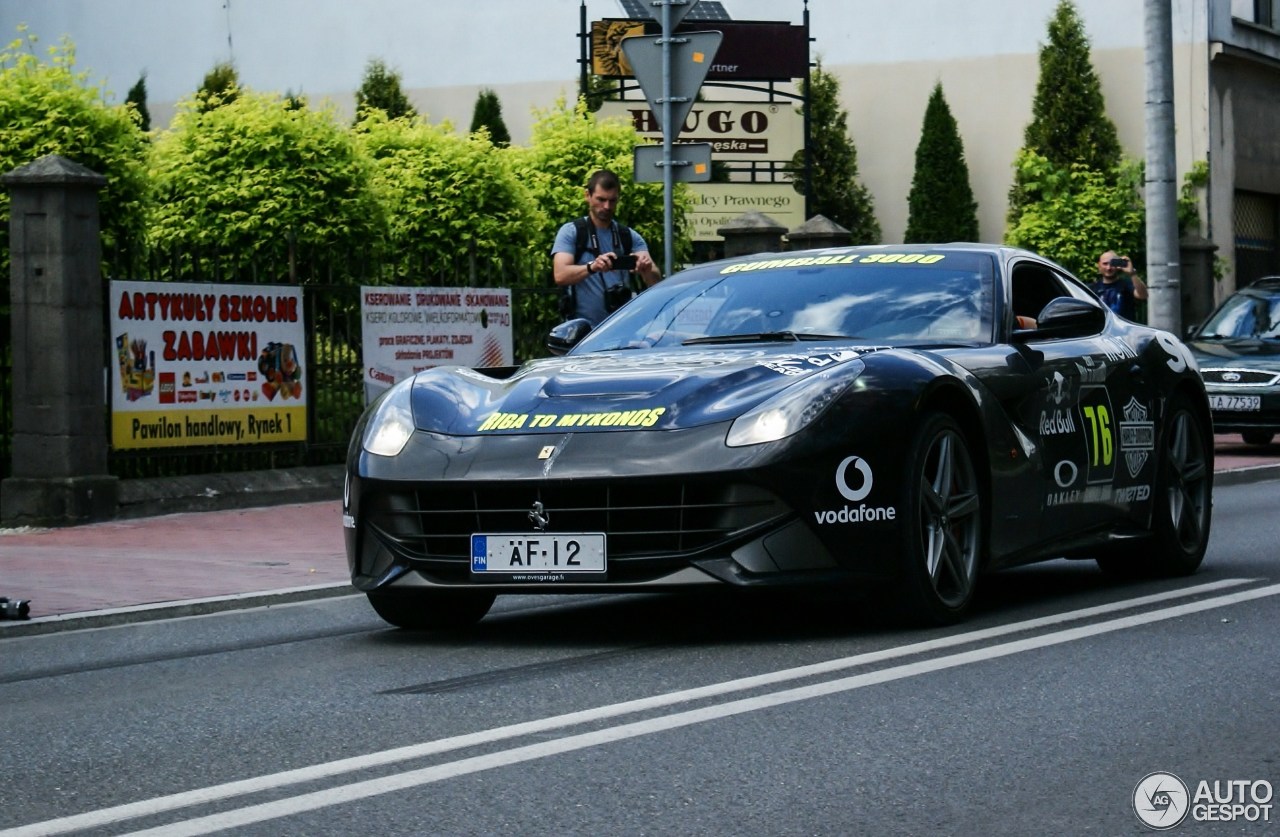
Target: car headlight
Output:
[(391, 424), (793, 409)]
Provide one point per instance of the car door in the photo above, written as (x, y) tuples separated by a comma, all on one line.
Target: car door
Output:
[(1082, 385)]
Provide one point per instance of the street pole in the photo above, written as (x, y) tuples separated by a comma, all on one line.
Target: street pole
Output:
[(1163, 267), (668, 132)]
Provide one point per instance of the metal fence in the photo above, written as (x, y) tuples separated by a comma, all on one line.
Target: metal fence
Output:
[(334, 374)]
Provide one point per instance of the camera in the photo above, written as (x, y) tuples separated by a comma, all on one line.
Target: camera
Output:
[(1120, 263), (14, 608), (624, 263), (616, 296)]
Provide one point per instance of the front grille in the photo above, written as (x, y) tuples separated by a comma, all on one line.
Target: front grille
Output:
[(642, 518), (1240, 377)]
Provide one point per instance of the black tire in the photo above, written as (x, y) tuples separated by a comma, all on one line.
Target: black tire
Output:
[(1183, 497), (431, 610), (943, 526), (1257, 437)]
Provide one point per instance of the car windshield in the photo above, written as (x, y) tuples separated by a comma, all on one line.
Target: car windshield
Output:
[(1248, 315), (911, 298)]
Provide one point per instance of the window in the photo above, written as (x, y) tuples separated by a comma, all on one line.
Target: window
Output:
[(1266, 13)]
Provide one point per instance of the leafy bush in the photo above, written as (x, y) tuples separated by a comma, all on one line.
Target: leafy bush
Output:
[(451, 201), (1075, 213), (47, 107), (568, 144), (256, 178)]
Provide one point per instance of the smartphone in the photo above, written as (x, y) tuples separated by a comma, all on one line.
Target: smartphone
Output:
[(624, 262), (1121, 263)]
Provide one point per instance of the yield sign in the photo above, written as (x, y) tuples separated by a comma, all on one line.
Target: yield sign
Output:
[(691, 56)]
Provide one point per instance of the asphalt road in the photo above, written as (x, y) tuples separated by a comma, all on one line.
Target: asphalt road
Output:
[(772, 715)]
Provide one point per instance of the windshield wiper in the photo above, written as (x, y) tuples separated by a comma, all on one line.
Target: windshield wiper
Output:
[(763, 337)]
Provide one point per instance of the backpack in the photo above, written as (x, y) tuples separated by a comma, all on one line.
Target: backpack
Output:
[(581, 237)]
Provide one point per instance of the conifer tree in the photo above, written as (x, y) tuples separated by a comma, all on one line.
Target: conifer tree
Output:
[(837, 194), (138, 98), (488, 114), (380, 89), (221, 86), (1068, 124), (941, 206)]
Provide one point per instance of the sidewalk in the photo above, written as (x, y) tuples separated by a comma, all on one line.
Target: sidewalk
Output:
[(194, 562)]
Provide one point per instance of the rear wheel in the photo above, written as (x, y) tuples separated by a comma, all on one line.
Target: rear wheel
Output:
[(942, 530), (431, 610), (1183, 497), (1257, 437)]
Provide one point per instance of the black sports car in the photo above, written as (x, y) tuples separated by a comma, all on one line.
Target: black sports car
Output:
[(862, 415), (1238, 349)]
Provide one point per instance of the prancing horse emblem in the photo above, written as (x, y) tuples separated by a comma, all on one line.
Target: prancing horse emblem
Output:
[(538, 517)]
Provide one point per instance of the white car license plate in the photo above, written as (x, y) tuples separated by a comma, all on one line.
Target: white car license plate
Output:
[(1235, 403), (525, 553)]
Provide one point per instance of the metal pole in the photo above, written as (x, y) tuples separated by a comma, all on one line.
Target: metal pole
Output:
[(1163, 268), (584, 58), (668, 132)]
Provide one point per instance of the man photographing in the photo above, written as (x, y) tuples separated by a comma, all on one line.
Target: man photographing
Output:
[(593, 257), (1118, 286)]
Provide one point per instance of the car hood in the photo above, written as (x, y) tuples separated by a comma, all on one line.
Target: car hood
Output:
[(619, 390), (1238, 352)]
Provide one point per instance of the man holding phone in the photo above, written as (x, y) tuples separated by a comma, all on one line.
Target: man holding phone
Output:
[(593, 257), (1117, 285)]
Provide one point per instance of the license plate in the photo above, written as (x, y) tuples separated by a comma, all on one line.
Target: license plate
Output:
[(1235, 403), (541, 554)]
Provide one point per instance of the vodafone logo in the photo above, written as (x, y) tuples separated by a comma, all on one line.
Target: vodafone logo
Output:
[(863, 479)]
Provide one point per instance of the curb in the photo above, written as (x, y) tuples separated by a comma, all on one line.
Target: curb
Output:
[(1246, 476), (170, 610)]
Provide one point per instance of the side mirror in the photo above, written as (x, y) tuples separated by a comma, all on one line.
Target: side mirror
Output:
[(568, 334), (1066, 317)]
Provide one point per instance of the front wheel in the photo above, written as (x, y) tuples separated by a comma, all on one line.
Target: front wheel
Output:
[(1183, 498), (942, 530), (1257, 437), (431, 610)]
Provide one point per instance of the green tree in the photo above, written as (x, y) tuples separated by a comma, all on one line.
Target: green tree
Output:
[(487, 115), (451, 201), (137, 97), (48, 107), (837, 194), (940, 206), (1068, 124), (380, 90), (220, 86), (1074, 213), (256, 178)]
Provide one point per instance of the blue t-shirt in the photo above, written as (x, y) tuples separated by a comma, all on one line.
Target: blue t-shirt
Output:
[(1118, 296), (589, 293)]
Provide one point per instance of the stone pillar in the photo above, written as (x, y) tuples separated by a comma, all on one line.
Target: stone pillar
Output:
[(1196, 257), (818, 231), (751, 232), (59, 473)]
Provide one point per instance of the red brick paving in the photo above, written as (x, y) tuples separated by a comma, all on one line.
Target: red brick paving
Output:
[(176, 557)]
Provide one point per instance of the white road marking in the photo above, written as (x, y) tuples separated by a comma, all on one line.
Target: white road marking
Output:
[(360, 790)]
